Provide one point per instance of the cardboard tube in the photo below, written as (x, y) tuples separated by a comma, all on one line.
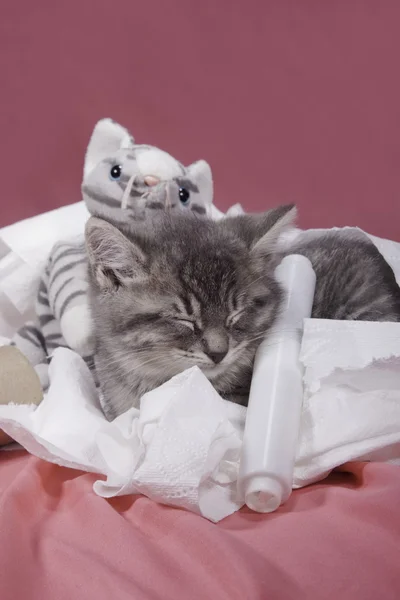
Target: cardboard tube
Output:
[(19, 383)]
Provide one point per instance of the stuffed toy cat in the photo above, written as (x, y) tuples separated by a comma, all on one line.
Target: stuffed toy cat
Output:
[(123, 181)]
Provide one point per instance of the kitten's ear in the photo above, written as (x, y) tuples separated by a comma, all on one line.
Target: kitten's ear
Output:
[(200, 173), (107, 138), (274, 223), (114, 260), (261, 232)]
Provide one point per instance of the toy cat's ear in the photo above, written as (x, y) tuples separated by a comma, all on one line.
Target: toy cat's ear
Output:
[(200, 173), (107, 138), (114, 261)]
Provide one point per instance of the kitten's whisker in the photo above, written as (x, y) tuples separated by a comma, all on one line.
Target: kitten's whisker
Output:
[(129, 362), (252, 282), (146, 362), (265, 335)]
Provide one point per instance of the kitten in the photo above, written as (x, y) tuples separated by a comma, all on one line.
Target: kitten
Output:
[(354, 282), (191, 292), (183, 292)]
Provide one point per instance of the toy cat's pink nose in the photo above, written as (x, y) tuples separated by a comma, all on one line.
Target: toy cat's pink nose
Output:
[(150, 180)]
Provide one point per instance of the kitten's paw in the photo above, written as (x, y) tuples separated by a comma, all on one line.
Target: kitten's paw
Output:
[(76, 327)]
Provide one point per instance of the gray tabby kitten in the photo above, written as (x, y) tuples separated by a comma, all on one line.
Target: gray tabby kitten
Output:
[(196, 292), (354, 282)]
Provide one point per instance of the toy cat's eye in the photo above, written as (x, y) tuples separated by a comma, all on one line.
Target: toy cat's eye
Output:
[(115, 172), (184, 195)]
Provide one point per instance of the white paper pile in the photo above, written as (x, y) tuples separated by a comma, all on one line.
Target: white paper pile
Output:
[(183, 446)]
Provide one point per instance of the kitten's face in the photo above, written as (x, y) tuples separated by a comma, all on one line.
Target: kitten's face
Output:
[(131, 184), (189, 293), (184, 315)]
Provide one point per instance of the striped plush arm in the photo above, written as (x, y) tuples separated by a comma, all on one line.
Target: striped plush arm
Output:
[(68, 294)]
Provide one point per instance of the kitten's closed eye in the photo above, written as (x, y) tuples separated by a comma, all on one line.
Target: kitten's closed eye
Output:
[(238, 326), (236, 322), (186, 323), (260, 301)]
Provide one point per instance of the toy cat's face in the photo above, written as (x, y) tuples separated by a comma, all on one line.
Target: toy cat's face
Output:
[(136, 181)]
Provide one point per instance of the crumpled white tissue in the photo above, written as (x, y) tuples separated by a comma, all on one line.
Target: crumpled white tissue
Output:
[(183, 446)]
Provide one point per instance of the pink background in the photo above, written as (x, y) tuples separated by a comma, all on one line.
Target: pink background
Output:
[(288, 101)]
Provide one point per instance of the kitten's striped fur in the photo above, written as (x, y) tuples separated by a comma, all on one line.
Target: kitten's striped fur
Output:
[(354, 282), (186, 292)]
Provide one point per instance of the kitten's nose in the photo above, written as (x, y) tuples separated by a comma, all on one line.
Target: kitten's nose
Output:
[(217, 356), (215, 344)]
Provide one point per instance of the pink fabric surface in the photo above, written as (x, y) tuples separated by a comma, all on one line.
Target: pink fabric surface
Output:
[(289, 101), (337, 539)]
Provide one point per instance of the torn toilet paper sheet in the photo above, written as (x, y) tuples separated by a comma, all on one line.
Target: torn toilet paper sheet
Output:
[(183, 447), (351, 406), (24, 250)]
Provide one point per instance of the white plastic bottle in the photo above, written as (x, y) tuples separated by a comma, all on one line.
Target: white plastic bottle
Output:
[(276, 395)]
